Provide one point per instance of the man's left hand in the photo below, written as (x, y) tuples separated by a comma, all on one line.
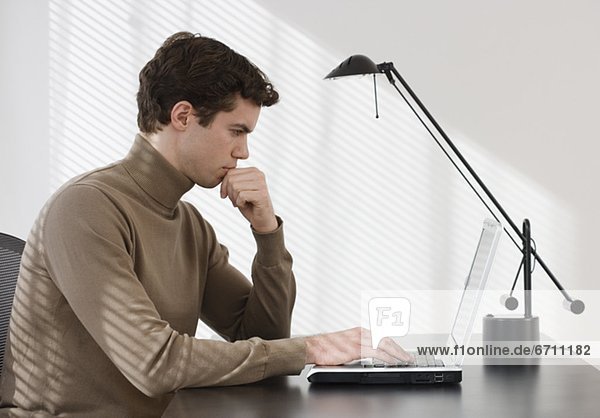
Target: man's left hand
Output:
[(247, 190)]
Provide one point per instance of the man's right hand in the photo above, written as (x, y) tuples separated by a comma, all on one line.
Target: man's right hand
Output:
[(344, 346)]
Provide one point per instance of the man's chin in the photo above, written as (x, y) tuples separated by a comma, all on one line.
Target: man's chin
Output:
[(209, 185)]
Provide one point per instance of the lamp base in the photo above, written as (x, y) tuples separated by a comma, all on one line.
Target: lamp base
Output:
[(500, 331)]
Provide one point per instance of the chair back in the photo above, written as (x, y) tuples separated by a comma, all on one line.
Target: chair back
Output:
[(11, 249)]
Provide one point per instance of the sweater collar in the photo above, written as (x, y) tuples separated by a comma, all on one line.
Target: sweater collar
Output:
[(155, 175)]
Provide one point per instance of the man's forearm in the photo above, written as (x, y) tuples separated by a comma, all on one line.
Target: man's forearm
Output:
[(270, 303)]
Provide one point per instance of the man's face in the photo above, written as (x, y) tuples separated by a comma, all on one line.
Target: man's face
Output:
[(205, 154)]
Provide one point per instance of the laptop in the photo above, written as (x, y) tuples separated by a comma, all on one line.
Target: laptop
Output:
[(427, 369)]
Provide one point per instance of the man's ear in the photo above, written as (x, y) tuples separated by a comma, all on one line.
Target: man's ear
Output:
[(182, 115)]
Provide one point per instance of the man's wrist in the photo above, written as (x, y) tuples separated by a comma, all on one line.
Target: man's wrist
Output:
[(312, 349), (266, 227)]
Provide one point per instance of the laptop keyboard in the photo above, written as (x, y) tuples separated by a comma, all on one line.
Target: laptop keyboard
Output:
[(420, 361)]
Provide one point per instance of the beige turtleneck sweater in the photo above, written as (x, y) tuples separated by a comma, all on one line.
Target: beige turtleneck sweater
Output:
[(115, 274)]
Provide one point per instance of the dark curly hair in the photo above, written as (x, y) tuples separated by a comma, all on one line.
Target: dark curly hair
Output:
[(203, 71)]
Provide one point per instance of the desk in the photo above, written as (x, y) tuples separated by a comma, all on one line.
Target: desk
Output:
[(486, 391)]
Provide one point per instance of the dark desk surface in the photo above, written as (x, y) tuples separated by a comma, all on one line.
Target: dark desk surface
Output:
[(486, 391)]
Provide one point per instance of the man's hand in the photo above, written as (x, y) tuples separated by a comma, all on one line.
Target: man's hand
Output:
[(353, 344), (247, 190)]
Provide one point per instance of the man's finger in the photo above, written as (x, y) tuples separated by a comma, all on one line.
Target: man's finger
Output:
[(234, 189), (224, 184), (248, 197), (367, 352), (388, 345)]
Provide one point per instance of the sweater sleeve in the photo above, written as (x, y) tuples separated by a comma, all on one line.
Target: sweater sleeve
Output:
[(237, 309), (87, 244)]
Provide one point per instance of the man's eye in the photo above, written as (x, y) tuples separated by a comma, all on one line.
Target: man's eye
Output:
[(237, 132)]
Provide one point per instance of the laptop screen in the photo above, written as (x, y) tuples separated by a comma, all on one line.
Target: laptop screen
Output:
[(474, 286)]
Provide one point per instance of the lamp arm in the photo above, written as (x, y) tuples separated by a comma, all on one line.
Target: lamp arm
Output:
[(388, 69)]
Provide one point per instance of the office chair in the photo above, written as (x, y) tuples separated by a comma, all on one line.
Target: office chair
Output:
[(11, 249)]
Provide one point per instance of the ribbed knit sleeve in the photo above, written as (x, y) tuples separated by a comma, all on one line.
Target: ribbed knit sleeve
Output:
[(237, 309)]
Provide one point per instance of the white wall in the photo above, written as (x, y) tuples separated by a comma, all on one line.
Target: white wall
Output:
[(24, 123), (367, 203)]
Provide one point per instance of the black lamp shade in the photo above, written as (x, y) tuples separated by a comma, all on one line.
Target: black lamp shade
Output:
[(355, 65)]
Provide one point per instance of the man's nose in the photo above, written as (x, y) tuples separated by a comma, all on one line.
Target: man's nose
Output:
[(241, 150)]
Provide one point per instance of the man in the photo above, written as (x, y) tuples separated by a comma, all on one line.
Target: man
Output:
[(117, 269)]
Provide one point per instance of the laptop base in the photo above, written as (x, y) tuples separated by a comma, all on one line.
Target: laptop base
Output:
[(395, 378)]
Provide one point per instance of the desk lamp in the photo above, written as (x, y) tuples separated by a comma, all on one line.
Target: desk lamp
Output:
[(495, 328)]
